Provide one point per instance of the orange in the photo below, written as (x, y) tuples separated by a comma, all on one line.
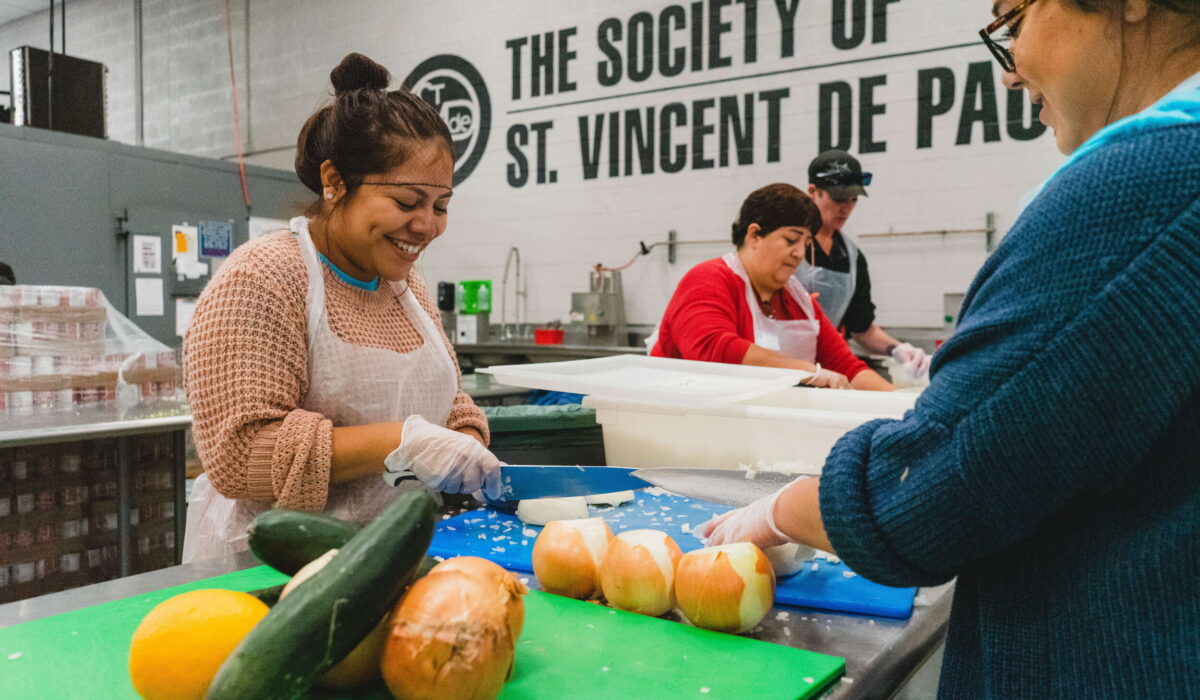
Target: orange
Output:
[(181, 643)]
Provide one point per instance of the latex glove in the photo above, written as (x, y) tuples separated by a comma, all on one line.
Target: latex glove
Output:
[(753, 523), (827, 379), (443, 459), (915, 360)]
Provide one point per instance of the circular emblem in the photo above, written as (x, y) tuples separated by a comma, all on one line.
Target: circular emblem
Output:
[(456, 91)]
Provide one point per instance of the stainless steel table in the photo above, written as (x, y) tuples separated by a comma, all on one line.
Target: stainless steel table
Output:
[(488, 354), (880, 653)]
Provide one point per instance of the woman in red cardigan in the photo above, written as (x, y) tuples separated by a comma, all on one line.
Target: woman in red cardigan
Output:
[(746, 308)]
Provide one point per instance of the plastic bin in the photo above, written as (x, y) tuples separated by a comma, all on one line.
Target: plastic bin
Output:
[(792, 425), (560, 434)]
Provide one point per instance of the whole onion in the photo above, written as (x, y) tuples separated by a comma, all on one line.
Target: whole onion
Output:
[(638, 572), (729, 588)]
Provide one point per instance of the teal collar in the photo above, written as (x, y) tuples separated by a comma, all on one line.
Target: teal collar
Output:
[(371, 286)]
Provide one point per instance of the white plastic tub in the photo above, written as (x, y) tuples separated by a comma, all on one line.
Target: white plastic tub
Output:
[(792, 425)]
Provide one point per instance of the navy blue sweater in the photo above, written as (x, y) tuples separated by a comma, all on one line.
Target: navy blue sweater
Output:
[(1053, 464)]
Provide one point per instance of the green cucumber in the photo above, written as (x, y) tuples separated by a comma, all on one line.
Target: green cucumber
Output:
[(286, 540), (322, 620)]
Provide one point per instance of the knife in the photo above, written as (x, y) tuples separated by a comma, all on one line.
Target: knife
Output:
[(730, 487), (519, 481), (735, 487)]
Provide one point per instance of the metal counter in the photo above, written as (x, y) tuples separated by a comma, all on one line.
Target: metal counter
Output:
[(488, 354), (881, 654)]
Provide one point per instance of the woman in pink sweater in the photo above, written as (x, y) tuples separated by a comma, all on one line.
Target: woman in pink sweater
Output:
[(313, 363)]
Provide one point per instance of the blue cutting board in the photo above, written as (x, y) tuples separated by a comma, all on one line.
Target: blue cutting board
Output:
[(822, 584)]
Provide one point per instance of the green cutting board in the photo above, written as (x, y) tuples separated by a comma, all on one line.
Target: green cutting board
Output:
[(568, 647)]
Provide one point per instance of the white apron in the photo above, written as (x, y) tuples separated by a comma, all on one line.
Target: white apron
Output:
[(350, 385), (836, 289), (795, 339)]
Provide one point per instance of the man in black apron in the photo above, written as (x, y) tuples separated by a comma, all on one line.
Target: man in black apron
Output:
[(838, 270)]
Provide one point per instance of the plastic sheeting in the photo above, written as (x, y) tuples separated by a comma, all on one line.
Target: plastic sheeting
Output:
[(66, 350)]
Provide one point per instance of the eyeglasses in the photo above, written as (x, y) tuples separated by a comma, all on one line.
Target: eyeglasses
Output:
[(1012, 17)]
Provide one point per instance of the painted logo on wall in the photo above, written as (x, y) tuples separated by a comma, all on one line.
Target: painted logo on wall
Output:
[(456, 89)]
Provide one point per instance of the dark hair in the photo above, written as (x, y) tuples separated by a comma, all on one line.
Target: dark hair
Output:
[(773, 207), (366, 129)]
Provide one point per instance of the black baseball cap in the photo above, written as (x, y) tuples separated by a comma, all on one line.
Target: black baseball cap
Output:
[(838, 173)]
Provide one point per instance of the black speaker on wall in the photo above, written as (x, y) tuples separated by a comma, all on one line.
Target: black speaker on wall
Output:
[(57, 91)]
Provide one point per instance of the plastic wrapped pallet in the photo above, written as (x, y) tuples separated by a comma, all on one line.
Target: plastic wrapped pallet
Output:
[(66, 350)]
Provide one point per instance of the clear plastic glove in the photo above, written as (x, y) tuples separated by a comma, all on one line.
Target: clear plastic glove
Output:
[(444, 460), (753, 523), (827, 379), (915, 360)]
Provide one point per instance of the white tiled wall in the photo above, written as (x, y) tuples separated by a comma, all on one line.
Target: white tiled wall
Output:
[(564, 228)]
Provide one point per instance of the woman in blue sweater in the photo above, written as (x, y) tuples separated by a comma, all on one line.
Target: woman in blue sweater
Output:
[(1053, 464)]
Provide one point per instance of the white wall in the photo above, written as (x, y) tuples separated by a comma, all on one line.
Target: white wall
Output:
[(563, 228)]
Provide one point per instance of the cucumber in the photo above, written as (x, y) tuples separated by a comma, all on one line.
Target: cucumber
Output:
[(312, 629), (286, 540)]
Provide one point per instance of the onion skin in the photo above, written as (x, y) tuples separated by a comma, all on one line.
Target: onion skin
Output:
[(730, 588), (508, 586), (633, 578), (450, 640), (563, 562)]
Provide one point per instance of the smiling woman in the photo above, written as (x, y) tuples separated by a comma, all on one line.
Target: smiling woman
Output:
[(314, 365), (1050, 466)]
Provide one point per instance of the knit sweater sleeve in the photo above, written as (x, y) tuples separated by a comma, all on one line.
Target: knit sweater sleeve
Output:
[(1053, 389), (464, 413), (246, 365), (704, 314)]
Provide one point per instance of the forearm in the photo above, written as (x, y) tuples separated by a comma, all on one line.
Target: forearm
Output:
[(759, 356), (798, 514), (875, 340), (869, 380), (359, 450)]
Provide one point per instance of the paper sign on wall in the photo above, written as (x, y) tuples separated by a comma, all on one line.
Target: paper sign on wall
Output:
[(149, 295), (216, 238), (185, 243), (184, 308), (147, 255), (260, 225)]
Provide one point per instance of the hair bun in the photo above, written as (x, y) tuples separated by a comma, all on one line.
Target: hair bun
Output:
[(357, 72)]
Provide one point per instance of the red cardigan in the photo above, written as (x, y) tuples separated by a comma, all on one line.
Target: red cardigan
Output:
[(709, 319)]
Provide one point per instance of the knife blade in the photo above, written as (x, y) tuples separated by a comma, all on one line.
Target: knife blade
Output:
[(522, 481), (731, 487)]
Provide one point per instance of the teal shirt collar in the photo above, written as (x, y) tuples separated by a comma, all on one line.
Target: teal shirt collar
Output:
[(1180, 106), (371, 286)]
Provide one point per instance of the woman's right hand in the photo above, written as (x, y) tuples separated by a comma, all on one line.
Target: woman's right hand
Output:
[(827, 379), (444, 460)]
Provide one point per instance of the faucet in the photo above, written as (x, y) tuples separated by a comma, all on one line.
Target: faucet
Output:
[(507, 331)]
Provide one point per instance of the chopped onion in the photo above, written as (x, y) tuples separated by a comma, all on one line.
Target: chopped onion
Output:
[(542, 511), (729, 588), (567, 556), (450, 639), (787, 559), (610, 499), (638, 573)]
